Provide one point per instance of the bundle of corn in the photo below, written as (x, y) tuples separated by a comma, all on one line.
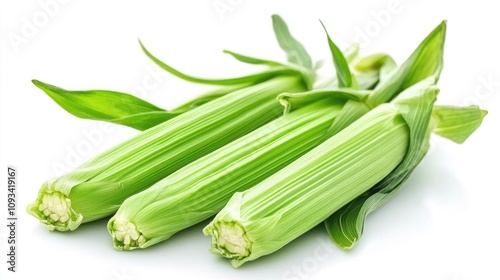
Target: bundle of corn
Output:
[(341, 149), (202, 188)]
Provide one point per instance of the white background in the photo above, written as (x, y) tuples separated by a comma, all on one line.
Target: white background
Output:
[(443, 224)]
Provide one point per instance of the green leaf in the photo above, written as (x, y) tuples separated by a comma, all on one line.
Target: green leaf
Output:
[(380, 65), (341, 66), (122, 108), (253, 60), (295, 52), (249, 79), (415, 105), (294, 100), (371, 62), (425, 61), (457, 123), (111, 106)]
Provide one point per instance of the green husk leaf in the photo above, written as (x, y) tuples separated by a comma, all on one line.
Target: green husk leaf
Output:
[(344, 76), (371, 62), (415, 104), (110, 106), (457, 123), (352, 110), (249, 79), (294, 100), (425, 61), (295, 52), (253, 60), (372, 70), (380, 63)]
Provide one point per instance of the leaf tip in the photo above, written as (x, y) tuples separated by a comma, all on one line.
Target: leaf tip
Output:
[(441, 28), (347, 247), (38, 84), (323, 25), (143, 48), (484, 113)]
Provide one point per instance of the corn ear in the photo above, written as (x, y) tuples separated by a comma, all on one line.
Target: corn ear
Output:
[(346, 226), (266, 217)]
